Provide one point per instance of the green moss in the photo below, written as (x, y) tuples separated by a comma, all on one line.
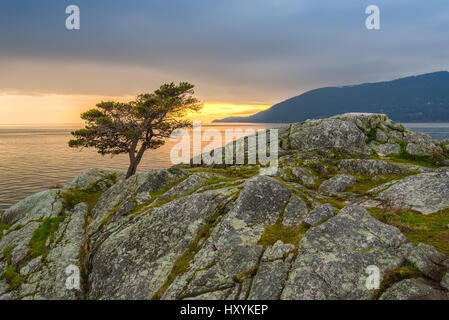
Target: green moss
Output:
[(298, 192), (425, 161), (247, 274), (143, 207), (11, 275), (446, 150), (285, 144), (75, 196), (217, 186), (288, 174), (3, 227), (18, 227), (334, 202), (236, 171), (279, 231), (406, 271), (7, 254), (316, 175), (162, 202), (218, 179), (322, 221), (371, 135), (418, 228), (13, 278), (45, 231), (367, 182), (88, 195), (155, 195), (182, 264), (107, 218), (241, 171)]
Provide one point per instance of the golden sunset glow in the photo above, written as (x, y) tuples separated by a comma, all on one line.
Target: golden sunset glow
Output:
[(218, 110), (29, 109)]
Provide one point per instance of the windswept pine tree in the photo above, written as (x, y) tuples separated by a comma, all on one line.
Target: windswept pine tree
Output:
[(136, 126)]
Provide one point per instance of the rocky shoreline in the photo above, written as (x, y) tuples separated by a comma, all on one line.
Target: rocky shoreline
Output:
[(353, 193)]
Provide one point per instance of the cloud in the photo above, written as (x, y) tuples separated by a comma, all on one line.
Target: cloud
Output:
[(248, 52)]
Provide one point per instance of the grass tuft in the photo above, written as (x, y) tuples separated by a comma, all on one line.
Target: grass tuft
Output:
[(236, 171), (367, 182), (418, 228), (13, 278), (74, 197), (406, 271), (433, 161), (218, 179), (7, 254), (45, 231), (3, 227), (89, 195), (11, 275), (279, 231)]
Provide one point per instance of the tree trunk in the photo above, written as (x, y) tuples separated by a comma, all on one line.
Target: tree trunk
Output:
[(134, 162), (132, 169)]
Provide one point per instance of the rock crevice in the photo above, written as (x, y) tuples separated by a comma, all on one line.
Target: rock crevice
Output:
[(354, 194)]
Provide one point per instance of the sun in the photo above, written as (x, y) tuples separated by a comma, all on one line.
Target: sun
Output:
[(218, 110)]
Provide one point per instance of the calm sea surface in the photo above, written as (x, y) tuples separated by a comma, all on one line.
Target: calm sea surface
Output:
[(34, 158)]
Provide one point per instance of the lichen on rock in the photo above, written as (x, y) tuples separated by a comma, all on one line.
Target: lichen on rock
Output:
[(227, 232)]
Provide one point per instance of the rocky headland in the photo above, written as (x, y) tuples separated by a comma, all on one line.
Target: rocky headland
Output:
[(353, 193)]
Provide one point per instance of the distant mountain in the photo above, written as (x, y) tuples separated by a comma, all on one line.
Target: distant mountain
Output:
[(423, 98)]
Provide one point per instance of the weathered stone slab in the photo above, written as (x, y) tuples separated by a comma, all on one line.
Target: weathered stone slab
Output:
[(337, 184), (295, 211), (334, 257), (414, 289), (425, 192), (319, 214)]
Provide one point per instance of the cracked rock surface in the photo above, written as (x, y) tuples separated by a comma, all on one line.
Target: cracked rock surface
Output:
[(200, 232)]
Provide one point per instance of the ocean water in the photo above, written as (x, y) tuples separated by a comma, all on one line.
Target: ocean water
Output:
[(439, 131), (35, 158)]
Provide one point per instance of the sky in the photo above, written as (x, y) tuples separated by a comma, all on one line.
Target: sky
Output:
[(242, 55)]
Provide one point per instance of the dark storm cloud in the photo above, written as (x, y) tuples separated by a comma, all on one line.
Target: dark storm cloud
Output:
[(234, 50)]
